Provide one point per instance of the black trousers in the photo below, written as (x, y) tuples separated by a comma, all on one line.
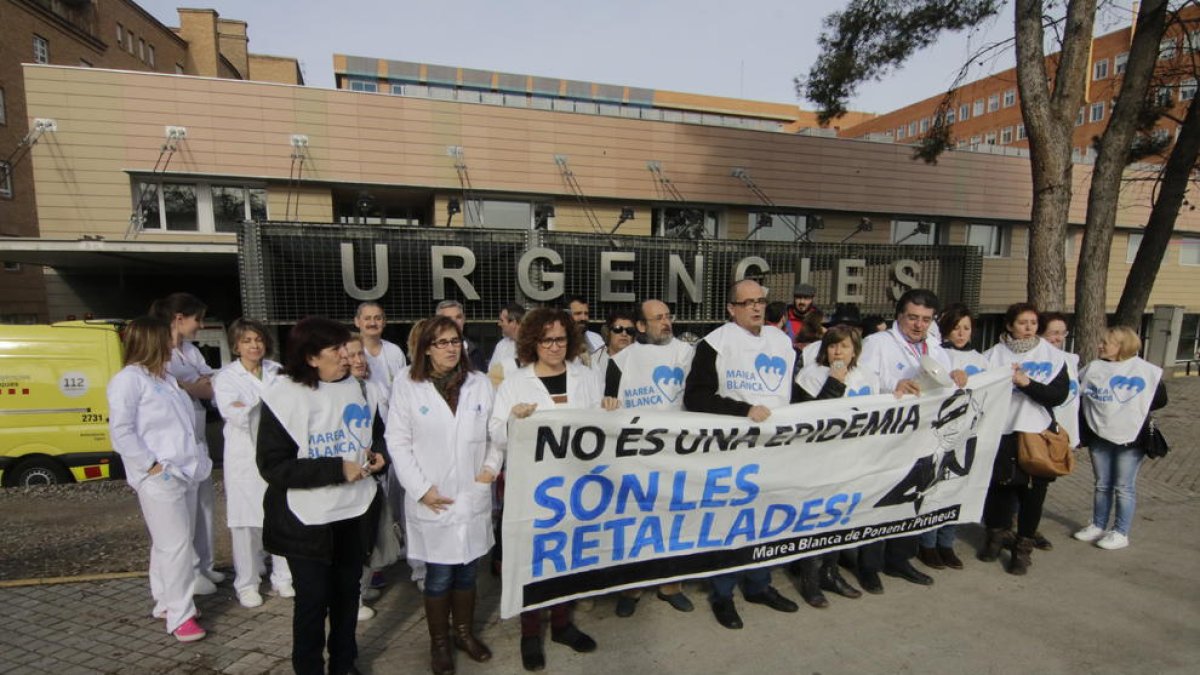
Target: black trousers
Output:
[(1027, 499), (891, 553), (327, 591)]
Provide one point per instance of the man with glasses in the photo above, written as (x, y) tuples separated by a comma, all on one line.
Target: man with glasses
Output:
[(649, 375), (895, 357), (743, 368)]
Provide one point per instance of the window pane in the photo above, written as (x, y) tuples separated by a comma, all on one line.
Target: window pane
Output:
[(1189, 338), (782, 227), (497, 214), (908, 232), (987, 238), (258, 203), (180, 204), (1189, 252), (229, 207), (148, 194), (1135, 242)]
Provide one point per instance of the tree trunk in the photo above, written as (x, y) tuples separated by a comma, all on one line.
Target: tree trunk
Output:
[(1161, 224), (1050, 122), (1091, 281)]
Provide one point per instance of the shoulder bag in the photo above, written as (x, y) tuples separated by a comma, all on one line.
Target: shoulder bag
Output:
[(1151, 440), (1045, 454)]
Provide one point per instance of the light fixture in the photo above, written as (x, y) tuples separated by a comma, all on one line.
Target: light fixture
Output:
[(763, 221), (864, 225), (452, 207), (923, 227), (542, 213), (626, 214)]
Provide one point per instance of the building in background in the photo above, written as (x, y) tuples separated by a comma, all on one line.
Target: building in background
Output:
[(107, 34)]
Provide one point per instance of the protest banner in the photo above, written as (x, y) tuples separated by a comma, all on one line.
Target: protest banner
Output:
[(601, 501)]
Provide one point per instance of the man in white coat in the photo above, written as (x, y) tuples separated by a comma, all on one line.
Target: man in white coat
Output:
[(894, 356), (504, 356), (742, 368), (384, 359), (649, 375)]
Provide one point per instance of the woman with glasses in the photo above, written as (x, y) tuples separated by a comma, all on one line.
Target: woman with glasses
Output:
[(547, 380), (437, 434)]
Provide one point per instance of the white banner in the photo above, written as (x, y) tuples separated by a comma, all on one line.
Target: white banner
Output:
[(601, 501)]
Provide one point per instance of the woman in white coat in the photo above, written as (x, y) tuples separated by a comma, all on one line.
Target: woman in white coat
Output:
[(437, 434), (547, 380), (152, 428), (184, 313), (237, 389)]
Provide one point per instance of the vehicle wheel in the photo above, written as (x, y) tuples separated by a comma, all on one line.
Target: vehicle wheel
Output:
[(38, 471)]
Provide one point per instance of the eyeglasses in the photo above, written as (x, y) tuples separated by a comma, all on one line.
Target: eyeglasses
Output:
[(547, 343), (752, 302), (661, 317), (444, 344), (623, 330)]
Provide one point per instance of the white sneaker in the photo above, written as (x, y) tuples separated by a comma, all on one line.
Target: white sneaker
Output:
[(249, 598), (204, 586), (213, 576), (365, 613), (159, 612), (1113, 540), (1089, 534), (285, 590), (371, 594)]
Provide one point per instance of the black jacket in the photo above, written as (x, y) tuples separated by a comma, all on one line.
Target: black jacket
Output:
[(283, 533), (701, 390), (1006, 471)]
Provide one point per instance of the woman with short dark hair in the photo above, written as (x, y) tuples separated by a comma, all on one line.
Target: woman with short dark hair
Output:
[(319, 438)]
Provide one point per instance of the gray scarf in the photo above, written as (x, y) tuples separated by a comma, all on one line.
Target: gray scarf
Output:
[(1019, 346)]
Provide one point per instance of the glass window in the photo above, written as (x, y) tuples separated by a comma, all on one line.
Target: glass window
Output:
[(1097, 112), (498, 215), (1020, 132), (775, 226), (141, 49), (914, 233), (1010, 98), (129, 41), (912, 128), (685, 223), (1189, 252), (229, 207), (993, 103), (1079, 119), (989, 138), (120, 34), (950, 116), (990, 239), (899, 133), (398, 89), (363, 85), (924, 124), (41, 49), (6, 188), (975, 141), (148, 206), (1164, 96), (1187, 90), (1166, 49), (1006, 135), (1100, 69), (1135, 242), (1119, 62), (179, 207), (964, 112), (150, 55), (978, 108), (1189, 338)]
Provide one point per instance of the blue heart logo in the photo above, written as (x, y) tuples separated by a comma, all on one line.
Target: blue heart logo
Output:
[(1125, 388), (864, 390), (357, 418), (1038, 370), (972, 370), (1074, 392), (770, 370), (669, 381), (424, 410)]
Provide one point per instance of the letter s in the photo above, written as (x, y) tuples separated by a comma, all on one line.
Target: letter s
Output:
[(543, 498), (743, 483)]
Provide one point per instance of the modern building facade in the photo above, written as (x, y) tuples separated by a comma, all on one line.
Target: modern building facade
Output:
[(103, 34)]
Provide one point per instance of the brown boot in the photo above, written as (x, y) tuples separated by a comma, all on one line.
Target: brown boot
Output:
[(1021, 552), (931, 558), (437, 618), (462, 604), (997, 539)]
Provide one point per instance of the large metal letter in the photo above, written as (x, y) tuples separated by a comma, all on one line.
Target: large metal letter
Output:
[(850, 275), (609, 276), (905, 272), (553, 281), (381, 273), (692, 283), (745, 264), (456, 274)]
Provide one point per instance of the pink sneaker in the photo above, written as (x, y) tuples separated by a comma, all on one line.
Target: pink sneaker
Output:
[(190, 631)]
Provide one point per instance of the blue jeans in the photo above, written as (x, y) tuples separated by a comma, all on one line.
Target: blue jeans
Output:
[(440, 579), (754, 582), (942, 537), (1116, 468)]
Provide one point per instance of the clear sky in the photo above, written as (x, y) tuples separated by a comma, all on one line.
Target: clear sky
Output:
[(746, 49)]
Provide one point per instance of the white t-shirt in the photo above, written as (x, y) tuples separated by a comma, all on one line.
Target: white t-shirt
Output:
[(755, 369)]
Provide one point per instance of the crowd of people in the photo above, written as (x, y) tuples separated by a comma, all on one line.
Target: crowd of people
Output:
[(348, 447)]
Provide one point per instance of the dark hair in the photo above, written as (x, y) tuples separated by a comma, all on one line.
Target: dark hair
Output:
[(575, 298), (954, 313), (422, 366), (365, 304), (1045, 318), (308, 338), (922, 297), (869, 324), (776, 311), (612, 318), (241, 326), (811, 328), (835, 335), (147, 342), (515, 311), (534, 325), (165, 309), (1017, 309)]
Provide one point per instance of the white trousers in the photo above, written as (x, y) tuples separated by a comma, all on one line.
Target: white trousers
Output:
[(248, 560), (169, 507), (202, 540)]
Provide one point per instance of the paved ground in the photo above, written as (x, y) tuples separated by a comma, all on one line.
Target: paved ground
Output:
[(1080, 610)]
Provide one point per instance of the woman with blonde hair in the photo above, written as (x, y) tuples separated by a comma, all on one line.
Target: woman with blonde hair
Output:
[(1116, 406), (152, 427)]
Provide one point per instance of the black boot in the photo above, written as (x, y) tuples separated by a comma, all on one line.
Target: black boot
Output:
[(810, 582), (437, 618), (997, 539), (832, 581), (1022, 550), (462, 605)]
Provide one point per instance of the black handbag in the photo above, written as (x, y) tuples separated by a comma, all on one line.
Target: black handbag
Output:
[(1151, 440)]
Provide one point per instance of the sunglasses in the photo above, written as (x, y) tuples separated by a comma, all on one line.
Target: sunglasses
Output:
[(623, 330)]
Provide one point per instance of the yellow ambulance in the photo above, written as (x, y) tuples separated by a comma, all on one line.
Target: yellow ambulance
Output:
[(53, 408)]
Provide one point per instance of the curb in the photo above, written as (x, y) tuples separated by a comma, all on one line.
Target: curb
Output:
[(47, 581)]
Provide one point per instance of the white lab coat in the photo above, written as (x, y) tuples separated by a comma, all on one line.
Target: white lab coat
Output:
[(387, 365), (893, 358), (244, 486), (523, 386), (150, 419), (431, 446)]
